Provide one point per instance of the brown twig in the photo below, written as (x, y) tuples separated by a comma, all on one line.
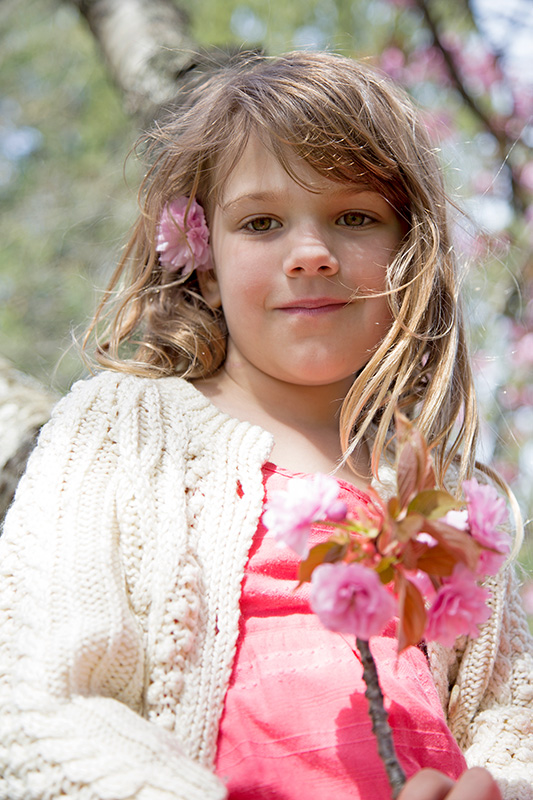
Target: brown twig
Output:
[(378, 715)]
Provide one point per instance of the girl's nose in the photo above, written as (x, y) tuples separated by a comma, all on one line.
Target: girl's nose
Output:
[(310, 253)]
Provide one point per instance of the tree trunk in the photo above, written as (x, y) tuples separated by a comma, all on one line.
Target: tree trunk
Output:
[(148, 50), (24, 406)]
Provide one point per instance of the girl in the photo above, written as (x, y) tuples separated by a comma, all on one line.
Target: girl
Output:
[(152, 643)]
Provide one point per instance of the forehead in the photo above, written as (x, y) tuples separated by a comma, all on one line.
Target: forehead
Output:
[(258, 169)]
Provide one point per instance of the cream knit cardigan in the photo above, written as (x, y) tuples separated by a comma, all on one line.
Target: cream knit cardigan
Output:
[(122, 561)]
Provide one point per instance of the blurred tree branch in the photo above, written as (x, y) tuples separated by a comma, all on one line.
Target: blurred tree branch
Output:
[(496, 128), (145, 44), (149, 51)]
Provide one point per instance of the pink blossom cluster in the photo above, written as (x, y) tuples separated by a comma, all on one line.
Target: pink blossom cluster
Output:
[(523, 350), (478, 65), (183, 237), (350, 596), (486, 513), (423, 64), (289, 514), (459, 607)]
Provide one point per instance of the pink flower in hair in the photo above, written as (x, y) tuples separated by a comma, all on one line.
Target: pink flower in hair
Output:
[(289, 514), (459, 607), (350, 598), (183, 237)]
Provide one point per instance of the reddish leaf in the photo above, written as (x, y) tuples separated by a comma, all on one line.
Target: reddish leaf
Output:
[(414, 469), (412, 613), (426, 476), (388, 537), (412, 551), (429, 478), (407, 475), (403, 426), (324, 552), (459, 543), (437, 561)]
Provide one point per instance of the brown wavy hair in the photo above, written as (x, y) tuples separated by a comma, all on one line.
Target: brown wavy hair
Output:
[(346, 121)]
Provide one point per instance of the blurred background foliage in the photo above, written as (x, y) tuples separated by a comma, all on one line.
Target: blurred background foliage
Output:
[(66, 201), (64, 204)]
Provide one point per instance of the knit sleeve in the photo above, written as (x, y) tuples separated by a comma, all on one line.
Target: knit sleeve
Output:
[(72, 650), (491, 704)]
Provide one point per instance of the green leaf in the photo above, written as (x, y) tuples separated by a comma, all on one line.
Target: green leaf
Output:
[(385, 570), (432, 503), (393, 507)]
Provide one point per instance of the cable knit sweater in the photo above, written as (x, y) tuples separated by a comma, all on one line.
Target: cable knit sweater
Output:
[(122, 561)]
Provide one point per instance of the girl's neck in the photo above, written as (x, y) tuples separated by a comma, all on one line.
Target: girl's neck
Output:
[(302, 419)]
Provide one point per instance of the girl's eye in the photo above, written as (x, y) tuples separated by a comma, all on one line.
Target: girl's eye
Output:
[(354, 219), (261, 224)]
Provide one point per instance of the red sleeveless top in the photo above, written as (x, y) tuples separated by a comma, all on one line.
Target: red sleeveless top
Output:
[(295, 721)]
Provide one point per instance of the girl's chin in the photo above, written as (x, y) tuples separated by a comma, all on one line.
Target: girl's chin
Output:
[(315, 379)]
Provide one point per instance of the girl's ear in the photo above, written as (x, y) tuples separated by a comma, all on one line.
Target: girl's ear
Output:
[(207, 280)]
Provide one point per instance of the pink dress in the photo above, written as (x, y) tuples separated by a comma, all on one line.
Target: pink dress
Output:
[(295, 721)]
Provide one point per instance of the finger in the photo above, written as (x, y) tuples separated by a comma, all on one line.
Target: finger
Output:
[(428, 784), (475, 784)]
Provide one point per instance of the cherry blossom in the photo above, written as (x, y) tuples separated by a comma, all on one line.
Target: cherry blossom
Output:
[(457, 518), (486, 513), (523, 352), (289, 514), (183, 237), (460, 606), (350, 598)]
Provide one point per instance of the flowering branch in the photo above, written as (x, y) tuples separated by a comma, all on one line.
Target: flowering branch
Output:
[(455, 75), (421, 556), (494, 127)]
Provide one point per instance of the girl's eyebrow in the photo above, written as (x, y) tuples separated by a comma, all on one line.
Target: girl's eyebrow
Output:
[(259, 196), (273, 196)]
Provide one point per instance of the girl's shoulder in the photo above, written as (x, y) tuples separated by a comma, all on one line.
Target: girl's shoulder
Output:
[(122, 404), (116, 393), (128, 425), (141, 408)]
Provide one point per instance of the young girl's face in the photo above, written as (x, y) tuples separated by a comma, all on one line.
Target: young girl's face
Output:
[(295, 268)]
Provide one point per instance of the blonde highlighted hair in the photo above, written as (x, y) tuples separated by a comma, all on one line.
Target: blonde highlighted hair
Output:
[(347, 122)]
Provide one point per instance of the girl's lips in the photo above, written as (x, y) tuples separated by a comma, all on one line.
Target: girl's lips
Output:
[(312, 307)]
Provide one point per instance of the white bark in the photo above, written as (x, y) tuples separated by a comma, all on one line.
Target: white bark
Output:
[(146, 48)]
